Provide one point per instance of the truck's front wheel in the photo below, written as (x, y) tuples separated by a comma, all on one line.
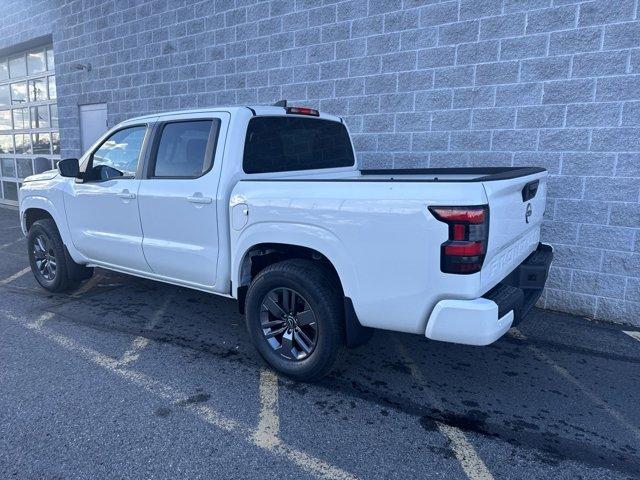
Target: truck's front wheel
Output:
[(52, 267), (295, 318)]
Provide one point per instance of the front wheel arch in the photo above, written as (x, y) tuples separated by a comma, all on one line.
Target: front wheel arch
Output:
[(32, 215)]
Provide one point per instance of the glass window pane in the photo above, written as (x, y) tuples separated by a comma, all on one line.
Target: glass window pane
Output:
[(41, 164), (276, 144), (6, 144), (37, 90), (53, 94), (24, 166), (23, 144), (5, 119), (17, 66), (4, 69), (55, 143), (36, 62), (10, 190), (18, 92), (50, 63), (20, 118), (54, 116), (4, 95), (40, 117), (181, 152), (41, 143), (8, 167), (121, 150)]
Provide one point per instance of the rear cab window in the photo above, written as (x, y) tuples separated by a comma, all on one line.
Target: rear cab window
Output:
[(280, 144)]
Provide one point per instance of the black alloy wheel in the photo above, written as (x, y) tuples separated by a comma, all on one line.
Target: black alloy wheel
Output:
[(45, 257), (288, 323)]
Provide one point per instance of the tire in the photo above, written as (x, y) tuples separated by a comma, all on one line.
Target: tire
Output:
[(49, 260), (314, 289)]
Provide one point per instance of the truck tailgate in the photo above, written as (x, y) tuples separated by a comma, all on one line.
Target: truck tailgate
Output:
[(516, 209)]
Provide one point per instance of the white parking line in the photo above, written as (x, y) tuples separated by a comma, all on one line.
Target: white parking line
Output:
[(42, 319), (133, 353), (14, 276), (267, 434), (469, 460), (564, 373), (632, 334), (310, 464), (140, 343), (269, 423), (11, 243)]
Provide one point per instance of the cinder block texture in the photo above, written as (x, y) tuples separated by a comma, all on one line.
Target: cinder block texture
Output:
[(554, 83)]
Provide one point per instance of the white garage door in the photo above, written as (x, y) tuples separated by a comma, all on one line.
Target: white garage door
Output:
[(29, 138)]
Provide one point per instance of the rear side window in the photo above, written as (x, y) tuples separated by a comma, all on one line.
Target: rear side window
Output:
[(182, 149), (278, 144)]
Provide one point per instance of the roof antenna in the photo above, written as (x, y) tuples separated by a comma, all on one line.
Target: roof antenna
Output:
[(280, 103)]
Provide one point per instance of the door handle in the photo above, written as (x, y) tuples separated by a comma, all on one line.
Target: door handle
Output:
[(126, 195), (199, 199)]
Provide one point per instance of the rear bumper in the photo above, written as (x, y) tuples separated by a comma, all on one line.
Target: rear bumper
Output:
[(482, 321)]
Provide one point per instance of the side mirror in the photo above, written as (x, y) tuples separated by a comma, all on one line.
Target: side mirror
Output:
[(69, 167)]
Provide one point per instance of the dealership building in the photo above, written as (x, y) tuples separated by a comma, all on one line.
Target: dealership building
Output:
[(552, 83)]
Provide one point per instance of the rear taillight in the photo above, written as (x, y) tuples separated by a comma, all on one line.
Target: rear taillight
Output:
[(464, 251)]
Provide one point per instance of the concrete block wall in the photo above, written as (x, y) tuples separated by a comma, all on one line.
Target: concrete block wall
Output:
[(554, 83)]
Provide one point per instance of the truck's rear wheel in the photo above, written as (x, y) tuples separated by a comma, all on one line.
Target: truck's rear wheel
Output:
[(295, 318), (50, 263)]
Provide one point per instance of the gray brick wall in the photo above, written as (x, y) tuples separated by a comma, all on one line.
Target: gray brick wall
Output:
[(554, 83)]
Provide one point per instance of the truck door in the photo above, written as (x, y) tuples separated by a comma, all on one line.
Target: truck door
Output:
[(177, 198), (102, 210)]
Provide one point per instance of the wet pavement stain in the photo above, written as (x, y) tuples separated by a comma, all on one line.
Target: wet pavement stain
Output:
[(195, 398), (162, 412)]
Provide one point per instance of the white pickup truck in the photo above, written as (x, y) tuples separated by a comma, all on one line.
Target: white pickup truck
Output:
[(267, 205)]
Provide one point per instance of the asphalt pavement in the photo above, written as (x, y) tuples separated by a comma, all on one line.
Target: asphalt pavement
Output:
[(129, 378)]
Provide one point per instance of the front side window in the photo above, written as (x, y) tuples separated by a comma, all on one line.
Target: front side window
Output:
[(182, 150), (119, 154), (278, 144)]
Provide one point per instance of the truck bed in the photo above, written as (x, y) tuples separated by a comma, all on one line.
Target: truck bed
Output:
[(461, 174), (374, 226)]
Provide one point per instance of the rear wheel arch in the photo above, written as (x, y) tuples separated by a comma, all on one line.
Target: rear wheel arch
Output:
[(258, 257)]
